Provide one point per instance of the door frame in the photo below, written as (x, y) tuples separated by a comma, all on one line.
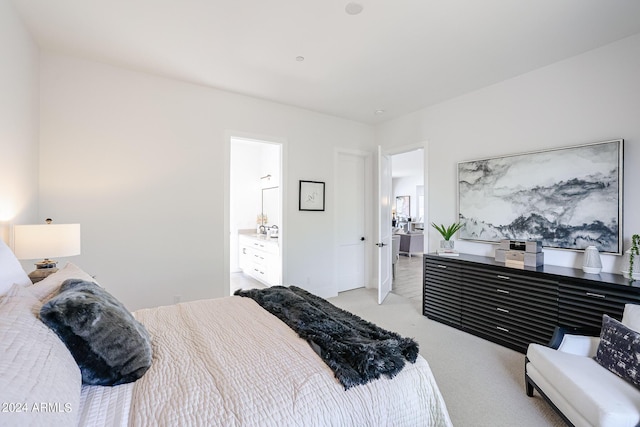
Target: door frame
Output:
[(232, 134), (391, 151), (368, 215)]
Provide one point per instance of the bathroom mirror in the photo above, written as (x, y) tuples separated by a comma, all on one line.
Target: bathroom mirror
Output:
[(271, 205)]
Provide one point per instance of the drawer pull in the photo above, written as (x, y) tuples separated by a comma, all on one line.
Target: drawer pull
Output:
[(500, 328), (502, 291), (591, 294), (503, 277), (502, 310), (442, 266)]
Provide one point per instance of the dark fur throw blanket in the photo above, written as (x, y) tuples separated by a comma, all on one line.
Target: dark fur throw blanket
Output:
[(356, 350)]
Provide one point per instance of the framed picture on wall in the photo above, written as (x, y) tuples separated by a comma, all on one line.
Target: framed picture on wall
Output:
[(568, 198), (403, 207), (311, 196)]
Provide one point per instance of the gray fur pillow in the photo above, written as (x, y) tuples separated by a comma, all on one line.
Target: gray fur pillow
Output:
[(108, 344)]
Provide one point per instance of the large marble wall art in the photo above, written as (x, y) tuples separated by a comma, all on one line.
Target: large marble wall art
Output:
[(568, 198)]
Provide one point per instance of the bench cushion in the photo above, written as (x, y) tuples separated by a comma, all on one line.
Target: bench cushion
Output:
[(597, 394)]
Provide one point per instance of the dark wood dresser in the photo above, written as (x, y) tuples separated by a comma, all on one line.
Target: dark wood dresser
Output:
[(514, 307)]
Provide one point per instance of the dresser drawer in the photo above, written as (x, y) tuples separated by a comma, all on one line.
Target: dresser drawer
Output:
[(517, 337), (510, 293), (508, 278), (584, 305), (441, 292), (512, 311)]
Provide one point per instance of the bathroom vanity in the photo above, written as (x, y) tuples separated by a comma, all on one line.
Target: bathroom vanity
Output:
[(259, 257)]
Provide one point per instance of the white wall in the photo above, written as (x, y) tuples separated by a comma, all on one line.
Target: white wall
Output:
[(139, 161), (589, 98), (18, 122)]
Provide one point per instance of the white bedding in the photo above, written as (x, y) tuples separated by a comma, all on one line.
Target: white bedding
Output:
[(105, 406), (228, 362)]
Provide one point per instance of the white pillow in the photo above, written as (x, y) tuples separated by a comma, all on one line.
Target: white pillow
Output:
[(631, 317), (10, 270), (36, 368), (47, 287)]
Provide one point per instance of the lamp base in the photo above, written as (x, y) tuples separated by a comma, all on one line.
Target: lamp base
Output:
[(43, 269), (41, 273)]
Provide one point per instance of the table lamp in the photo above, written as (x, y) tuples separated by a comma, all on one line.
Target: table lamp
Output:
[(45, 241)]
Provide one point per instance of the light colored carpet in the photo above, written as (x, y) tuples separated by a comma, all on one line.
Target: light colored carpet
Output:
[(482, 383)]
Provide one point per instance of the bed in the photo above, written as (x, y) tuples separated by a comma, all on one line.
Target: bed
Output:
[(217, 362)]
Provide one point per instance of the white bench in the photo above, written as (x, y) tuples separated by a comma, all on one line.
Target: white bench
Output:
[(580, 389)]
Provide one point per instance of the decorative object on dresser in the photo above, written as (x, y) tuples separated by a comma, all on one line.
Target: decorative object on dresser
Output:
[(591, 262), (631, 264), (40, 241), (520, 254), (569, 197), (446, 244), (517, 307)]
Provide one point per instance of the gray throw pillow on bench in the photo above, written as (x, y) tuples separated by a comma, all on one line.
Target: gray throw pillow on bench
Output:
[(619, 350)]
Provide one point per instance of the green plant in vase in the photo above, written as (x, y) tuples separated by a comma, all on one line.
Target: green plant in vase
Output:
[(447, 233), (633, 251)]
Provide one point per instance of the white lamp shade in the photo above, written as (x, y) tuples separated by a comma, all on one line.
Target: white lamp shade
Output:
[(46, 240)]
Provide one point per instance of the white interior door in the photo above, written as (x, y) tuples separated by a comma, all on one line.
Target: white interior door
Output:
[(350, 222), (384, 226)]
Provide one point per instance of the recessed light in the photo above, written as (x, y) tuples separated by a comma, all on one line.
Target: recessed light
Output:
[(299, 58), (379, 112), (353, 8)]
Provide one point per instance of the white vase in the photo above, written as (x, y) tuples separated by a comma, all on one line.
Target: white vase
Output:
[(447, 244), (591, 262)]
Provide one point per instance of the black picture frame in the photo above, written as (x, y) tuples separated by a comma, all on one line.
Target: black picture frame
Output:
[(311, 196)]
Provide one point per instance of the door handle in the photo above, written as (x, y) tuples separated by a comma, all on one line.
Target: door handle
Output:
[(362, 239), (380, 244)]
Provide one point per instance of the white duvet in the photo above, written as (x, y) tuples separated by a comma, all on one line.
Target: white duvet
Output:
[(228, 362)]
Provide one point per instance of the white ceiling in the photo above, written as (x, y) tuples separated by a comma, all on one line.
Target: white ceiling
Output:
[(397, 55)]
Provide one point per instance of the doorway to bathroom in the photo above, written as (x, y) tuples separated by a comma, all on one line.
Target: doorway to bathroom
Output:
[(255, 213)]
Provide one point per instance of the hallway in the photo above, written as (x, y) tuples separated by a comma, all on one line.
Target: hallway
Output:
[(408, 280)]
